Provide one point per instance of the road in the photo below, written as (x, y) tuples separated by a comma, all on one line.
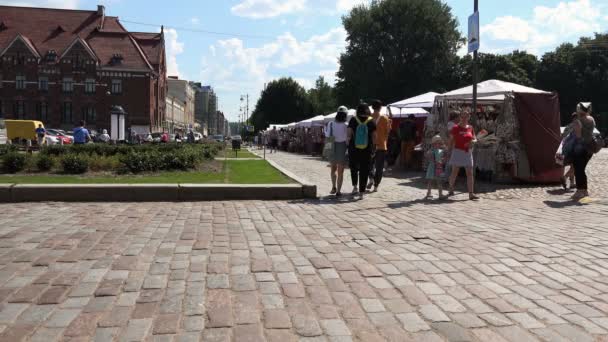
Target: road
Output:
[(522, 264)]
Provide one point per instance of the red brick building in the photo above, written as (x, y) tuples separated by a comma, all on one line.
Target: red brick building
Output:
[(62, 66)]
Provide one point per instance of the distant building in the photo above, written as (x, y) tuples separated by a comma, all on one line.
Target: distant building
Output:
[(180, 95), (205, 107), (62, 66)]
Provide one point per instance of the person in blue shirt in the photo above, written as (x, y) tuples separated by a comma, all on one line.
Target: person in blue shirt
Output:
[(81, 134), (40, 134)]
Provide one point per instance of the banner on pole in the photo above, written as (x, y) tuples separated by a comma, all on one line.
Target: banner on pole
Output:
[(473, 40)]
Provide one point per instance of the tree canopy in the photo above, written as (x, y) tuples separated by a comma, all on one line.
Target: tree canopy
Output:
[(322, 97), (282, 101), (395, 49)]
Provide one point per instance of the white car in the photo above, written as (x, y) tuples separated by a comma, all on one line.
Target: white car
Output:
[(198, 136)]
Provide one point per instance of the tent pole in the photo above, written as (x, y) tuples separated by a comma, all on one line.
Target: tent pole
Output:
[(475, 74)]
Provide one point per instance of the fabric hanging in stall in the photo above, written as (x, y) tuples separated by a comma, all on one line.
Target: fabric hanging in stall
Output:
[(539, 120)]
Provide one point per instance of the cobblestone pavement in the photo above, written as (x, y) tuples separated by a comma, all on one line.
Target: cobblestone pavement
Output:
[(399, 186), (386, 268)]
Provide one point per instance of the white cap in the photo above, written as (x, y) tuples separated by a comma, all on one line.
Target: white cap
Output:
[(343, 109)]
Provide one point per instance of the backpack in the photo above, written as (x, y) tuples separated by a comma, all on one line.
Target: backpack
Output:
[(362, 134)]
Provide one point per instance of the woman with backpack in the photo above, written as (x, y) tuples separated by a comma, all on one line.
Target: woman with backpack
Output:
[(361, 130), (336, 133), (584, 148)]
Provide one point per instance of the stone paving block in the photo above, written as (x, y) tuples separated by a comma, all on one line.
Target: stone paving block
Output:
[(136, 330), (412, 322), (166, 324)]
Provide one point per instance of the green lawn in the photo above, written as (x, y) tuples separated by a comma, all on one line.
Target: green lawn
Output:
[(233, 172), (229, 153)]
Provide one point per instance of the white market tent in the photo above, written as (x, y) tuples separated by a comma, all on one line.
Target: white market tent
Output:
[(332, 116), (406, 112), (492, 90), (421, 101), (271, 126), (291, 125), (312, 122)]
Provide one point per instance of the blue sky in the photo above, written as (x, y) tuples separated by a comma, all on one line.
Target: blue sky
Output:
[(303, 38)]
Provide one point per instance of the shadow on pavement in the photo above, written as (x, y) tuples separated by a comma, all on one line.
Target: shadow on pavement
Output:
[(563, 204)]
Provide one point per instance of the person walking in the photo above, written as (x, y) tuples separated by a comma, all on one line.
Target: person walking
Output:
[(435, 168), (336, 133), (584, 126), (462, 138), (408, 133), (361, 130), (40, 135), (564, 154), (383, 128), (274, 139), (105, 137), (81, 134)]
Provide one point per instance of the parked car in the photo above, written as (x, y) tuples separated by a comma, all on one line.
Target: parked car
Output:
[(54, 139), (198, 137), (69, 139), (237, 137), (218, 138)]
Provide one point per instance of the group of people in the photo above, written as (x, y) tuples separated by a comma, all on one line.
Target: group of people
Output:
[(362, 143), (365, 140)]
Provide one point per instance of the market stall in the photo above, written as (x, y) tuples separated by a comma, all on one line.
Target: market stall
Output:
[(518, 129)]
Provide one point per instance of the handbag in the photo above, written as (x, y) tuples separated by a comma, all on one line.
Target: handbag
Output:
[(597, 144), (329, 143)]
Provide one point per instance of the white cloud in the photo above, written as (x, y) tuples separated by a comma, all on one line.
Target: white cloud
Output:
[(195, 21), (548, 27), (347, 5), (67, 4), (232, 68), (258, 9), (174, 48)]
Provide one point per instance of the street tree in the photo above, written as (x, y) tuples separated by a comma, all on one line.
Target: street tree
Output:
[(282, 101), (322, 97), (395, 49)]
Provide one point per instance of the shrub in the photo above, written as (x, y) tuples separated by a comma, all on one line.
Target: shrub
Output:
[(54, 150), (44, 162), (5, 149), (141, 162), (75, 164), (104, 163), (13, 162)]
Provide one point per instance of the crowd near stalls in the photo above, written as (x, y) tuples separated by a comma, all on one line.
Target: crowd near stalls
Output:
[(308, 136), (517, 129)]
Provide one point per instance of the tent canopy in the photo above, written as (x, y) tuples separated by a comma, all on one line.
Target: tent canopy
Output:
[(490, 90), (332, 116), (406, 112), (312, 122), (425, 101)]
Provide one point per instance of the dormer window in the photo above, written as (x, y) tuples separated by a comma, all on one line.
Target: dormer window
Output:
[(116, 59), (51, 56)]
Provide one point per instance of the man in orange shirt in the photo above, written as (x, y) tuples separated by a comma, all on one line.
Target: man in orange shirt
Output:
[(383, 128)]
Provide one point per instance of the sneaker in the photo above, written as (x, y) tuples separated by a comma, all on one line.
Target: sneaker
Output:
[(564, 185), (428, 197), (376, 188), (370, 184), (338, 194), (443, 198), (451, 193), (333, 191), (473, 197)]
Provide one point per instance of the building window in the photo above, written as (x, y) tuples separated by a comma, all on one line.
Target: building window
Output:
[(66, 113), (68, 85), (20, 109), (89, 115), (20, 82), (89, 86), (43, 83), (42, 111), (116, 87)]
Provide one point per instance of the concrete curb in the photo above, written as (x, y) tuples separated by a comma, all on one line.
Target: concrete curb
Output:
[(14, 193), (309, 189)]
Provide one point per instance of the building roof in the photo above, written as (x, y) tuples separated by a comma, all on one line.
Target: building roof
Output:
[(47, 29)]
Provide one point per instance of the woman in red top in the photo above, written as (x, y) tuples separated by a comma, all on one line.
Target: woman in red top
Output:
[(462, 138)]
